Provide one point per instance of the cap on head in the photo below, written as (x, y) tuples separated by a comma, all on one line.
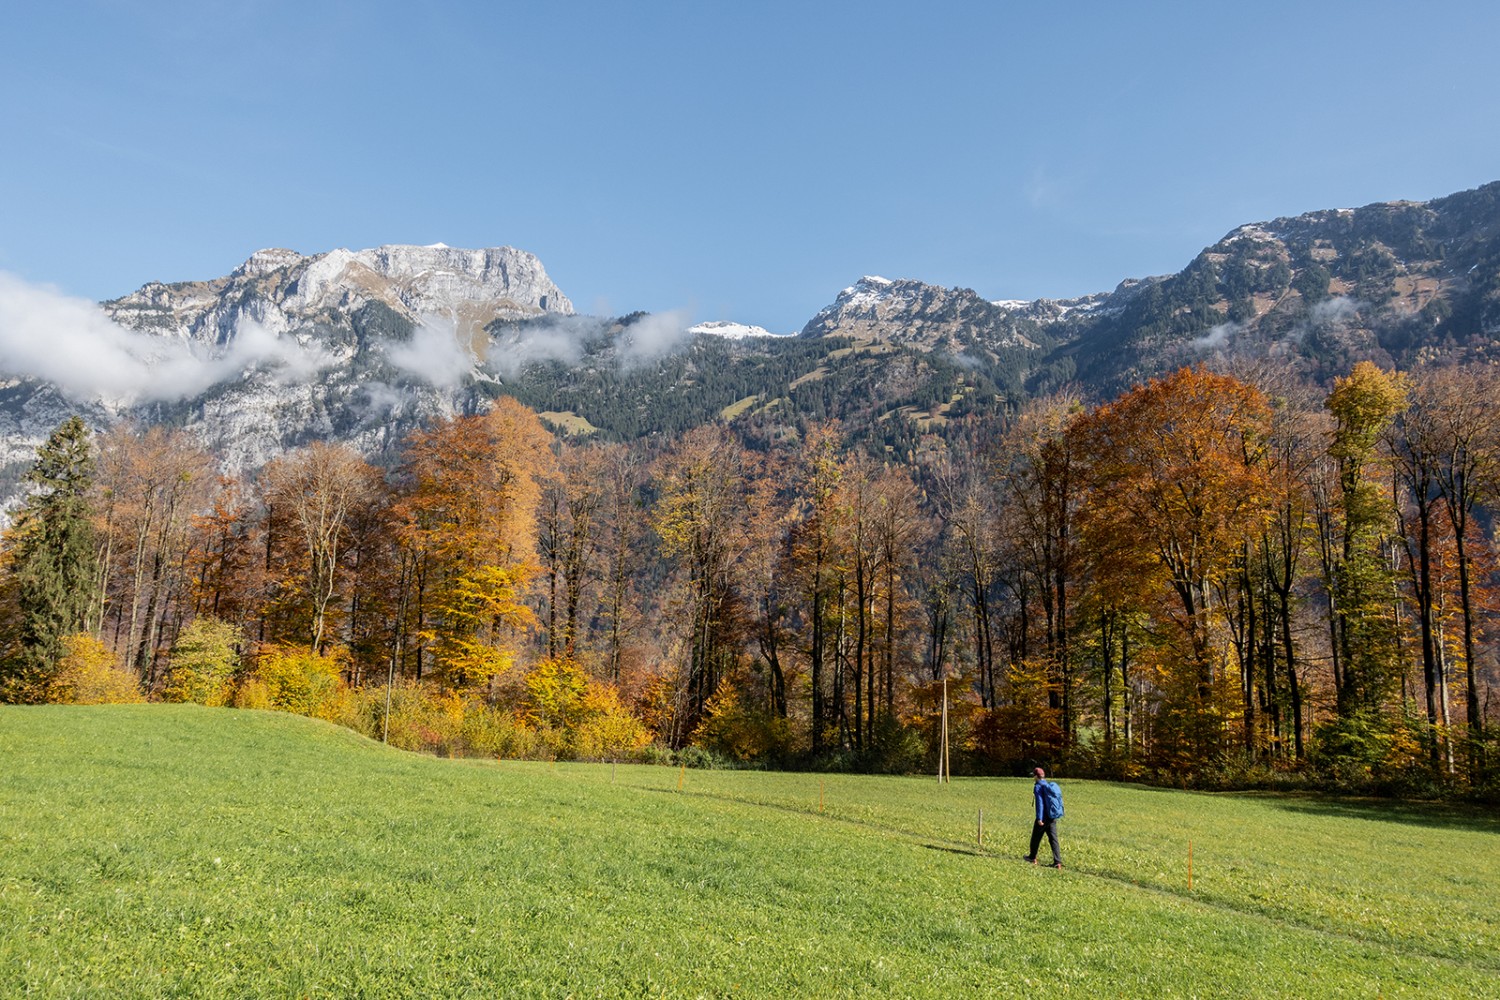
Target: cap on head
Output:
[(1039, 772)]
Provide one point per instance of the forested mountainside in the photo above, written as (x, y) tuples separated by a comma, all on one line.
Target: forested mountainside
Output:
[(1392, 283)]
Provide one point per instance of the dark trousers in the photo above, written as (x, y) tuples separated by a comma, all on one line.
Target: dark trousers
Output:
[(1049, 827)]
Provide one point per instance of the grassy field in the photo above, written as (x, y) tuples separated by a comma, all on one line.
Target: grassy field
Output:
[(180, 851)]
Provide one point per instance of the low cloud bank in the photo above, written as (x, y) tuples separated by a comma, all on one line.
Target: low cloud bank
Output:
[(72, 343), (565, 338), (1217, 336)]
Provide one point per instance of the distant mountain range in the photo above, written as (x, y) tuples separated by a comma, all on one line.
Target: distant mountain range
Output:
[(1394, 283), (364, 346)]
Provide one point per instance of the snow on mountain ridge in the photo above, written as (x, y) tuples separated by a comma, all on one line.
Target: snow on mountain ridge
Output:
[(732, 331)]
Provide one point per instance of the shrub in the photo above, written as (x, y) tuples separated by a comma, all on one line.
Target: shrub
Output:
[(895, 748), (253, 693), (301, 681), (607, 730), (494, 732), (203, 663), (1349, 749), (740, 734), (655, 753), (421, 718), (699, 758), (88, 675)]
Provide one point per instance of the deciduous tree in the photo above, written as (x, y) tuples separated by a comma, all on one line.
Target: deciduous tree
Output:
[(318, 490)]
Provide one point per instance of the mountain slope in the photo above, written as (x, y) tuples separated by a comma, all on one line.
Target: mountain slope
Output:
[(366, 345), (1394, 283)]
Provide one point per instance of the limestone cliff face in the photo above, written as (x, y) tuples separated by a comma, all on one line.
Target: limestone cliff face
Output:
[(913, 313), (1397, 283), (282, 291)]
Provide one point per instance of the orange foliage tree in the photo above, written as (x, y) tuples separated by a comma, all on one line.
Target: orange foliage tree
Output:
[(1176, 466), (467, 520)]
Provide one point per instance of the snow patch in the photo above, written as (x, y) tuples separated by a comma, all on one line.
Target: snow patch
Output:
[(732, 331)]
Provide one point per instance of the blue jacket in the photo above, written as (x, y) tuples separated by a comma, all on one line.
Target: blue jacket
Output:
[(1048, 800)]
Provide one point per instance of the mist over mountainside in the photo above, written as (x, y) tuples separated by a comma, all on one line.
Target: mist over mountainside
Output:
[(365, 346)]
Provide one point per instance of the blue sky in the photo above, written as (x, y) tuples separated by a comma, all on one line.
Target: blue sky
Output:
[(741, 160)]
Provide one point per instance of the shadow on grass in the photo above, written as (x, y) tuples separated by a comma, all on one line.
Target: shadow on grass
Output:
[(1447, 815), (967, 851)]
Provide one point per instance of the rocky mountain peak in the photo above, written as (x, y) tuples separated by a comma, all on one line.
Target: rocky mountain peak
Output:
[(266, 261), (282, 290), (912, 312)]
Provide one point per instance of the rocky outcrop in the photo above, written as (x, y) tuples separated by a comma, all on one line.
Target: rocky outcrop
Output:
[(913, 313)]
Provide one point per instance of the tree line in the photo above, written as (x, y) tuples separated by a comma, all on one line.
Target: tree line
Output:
[(1221, 577)]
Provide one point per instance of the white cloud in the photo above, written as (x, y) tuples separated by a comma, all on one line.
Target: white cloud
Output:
[(564, 339), (72, 343), (1217, 337), (433, 354), (47, 335), (256, 346), (652, 336), (1339, 309), (1330, 314), (553, 338)]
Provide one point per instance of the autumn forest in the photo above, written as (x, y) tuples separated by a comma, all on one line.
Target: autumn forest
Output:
[(1214, 579)]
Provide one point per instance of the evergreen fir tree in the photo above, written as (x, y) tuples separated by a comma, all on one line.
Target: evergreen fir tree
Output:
[(55, 562)]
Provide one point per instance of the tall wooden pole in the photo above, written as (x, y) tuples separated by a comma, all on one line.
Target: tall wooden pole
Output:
[(390, 682), (943, 772)]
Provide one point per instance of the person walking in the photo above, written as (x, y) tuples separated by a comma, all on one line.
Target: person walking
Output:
[(1049, 809)]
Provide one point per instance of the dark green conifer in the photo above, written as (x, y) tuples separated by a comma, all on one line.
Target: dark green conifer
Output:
[(54, 564)]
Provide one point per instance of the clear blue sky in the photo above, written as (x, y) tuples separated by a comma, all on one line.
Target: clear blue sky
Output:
[(740, 160)]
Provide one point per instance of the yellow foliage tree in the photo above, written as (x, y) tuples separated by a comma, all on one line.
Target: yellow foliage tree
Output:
[(479, 615), (586, 718), (203, 663), (555, 690)]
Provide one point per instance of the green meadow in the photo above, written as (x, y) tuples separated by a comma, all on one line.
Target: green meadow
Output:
[(158, 851)]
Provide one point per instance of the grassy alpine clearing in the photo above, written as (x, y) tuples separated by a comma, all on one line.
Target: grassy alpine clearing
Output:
[(181, 851)]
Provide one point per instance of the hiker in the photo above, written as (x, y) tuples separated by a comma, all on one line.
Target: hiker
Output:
[(1049, 809)]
